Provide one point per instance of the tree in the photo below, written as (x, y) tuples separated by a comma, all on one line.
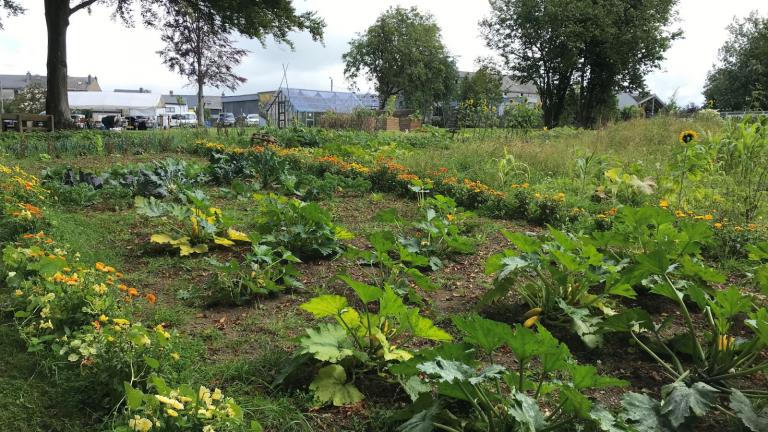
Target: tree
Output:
[(591, 48), (197, 49), (483, 85), (403, 55), (30, 99), (251, 18), (740, 80), (12, 8)]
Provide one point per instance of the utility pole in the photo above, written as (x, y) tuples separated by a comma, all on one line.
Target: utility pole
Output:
[(331, 78), (2, 106)]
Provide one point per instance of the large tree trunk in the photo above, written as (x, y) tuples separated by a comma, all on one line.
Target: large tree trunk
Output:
[(57, 22)]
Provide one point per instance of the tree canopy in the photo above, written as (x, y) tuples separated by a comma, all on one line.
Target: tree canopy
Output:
[(403, 54), (590, 48), (483, 85), (740, 80), (257, 19), (198, 50)]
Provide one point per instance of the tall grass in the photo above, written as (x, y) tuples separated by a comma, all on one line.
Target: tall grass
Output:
[(541, 155)]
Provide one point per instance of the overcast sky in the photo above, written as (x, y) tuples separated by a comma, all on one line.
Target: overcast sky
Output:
[(126, 58)]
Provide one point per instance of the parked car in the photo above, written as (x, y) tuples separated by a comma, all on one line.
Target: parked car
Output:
[(184, 120), (78, 121), (145, 122), (253, 120), (227, 119)]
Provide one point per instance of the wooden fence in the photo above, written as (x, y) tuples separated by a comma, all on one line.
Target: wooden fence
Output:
[(26, 122)]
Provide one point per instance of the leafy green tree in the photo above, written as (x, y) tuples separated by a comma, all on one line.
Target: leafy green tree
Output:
[(403, 55), (483, 85), (12, 8), (591, 47), (252, 18), (740, 80), (198, 50), (30, 99)]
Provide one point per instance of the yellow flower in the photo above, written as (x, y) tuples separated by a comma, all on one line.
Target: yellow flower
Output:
[(19, 293), (173, 403), (217, 395), (679, 214), (664, 204), (726, 343), (708, 217), (140, 424), (175, 356), (209, 428), (688, 136), (450, 218), (718, 225), (46, 325), (120, 322), (100, 289), (171, 412), (103, 318)]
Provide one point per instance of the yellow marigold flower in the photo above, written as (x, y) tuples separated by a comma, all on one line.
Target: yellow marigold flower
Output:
[(120, 322), (171, 413), (688, 136), (679, 214), (173, 403), (175, 356), (100, 266), (18, 293), (217, 395), (100, 289), (708, 217), (450, 218), (718, 225), (140, 424), (664, 204)]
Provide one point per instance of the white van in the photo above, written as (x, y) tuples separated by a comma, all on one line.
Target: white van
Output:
[(184, 120)]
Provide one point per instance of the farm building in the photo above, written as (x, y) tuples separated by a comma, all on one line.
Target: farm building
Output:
[(307, 106), (242, 105), (650, 104), (189, 103), (124, 104)]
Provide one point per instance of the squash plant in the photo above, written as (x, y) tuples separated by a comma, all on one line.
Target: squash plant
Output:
[(360, 340), (265, 271), (439, 233), (453, 391), (305, 229), (191, 227), (394, 265), (563, 278)]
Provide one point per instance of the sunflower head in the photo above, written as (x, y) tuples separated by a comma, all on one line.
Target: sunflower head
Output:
[(688, 136)]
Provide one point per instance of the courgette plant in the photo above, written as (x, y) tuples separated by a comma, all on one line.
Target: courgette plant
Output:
[(191, 227), (359, 342), (563, 278), (453, 391)]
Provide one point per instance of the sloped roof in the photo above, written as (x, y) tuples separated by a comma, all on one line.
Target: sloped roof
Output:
[(88, 83), (304, 100), (107, 101)]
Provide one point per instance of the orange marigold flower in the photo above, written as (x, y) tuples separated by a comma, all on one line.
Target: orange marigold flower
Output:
[(122, 287), (151, 298), (133, 292)]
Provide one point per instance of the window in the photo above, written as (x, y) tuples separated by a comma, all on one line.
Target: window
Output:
[(170, 109)]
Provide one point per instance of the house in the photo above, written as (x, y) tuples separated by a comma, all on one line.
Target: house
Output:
[(307, 106), (139, 90), (177, 104), (650, 104), (101, 104), (517, 92), (10, 85)]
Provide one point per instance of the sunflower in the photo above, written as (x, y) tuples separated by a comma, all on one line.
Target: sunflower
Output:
[(688, 136)]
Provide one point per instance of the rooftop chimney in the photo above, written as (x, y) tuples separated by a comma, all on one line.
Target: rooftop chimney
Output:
[(171, 92), (89, 78)]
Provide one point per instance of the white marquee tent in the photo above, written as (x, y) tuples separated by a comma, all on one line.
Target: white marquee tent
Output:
[(121, 103)]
